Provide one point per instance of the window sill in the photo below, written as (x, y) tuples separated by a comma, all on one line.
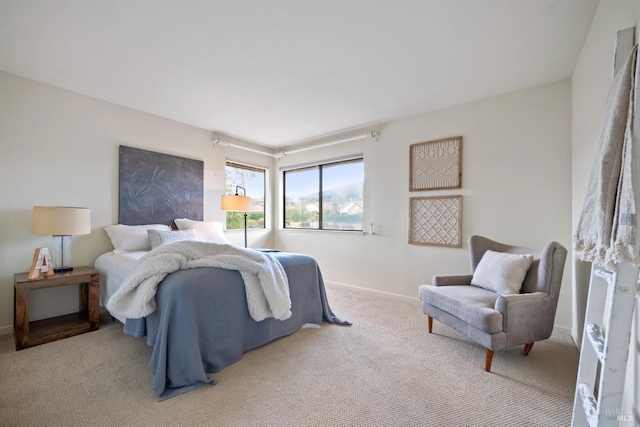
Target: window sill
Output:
[(315, 230)]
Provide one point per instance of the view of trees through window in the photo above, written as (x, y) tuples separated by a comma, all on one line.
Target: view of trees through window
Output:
[(252, 179), (327, 197)]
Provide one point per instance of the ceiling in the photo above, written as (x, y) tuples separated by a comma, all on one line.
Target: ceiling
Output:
[(280, 72)]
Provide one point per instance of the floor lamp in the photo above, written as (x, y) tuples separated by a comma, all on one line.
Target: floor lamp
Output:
[(237, 203)]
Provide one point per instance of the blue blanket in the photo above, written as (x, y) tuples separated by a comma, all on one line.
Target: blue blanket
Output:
[(202, 322)]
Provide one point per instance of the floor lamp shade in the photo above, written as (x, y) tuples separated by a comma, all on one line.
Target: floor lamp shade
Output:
[(235, 203), (61, 222)]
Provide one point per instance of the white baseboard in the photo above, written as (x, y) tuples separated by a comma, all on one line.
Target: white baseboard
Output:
[(372, 291), (563, 330), (6, 330)]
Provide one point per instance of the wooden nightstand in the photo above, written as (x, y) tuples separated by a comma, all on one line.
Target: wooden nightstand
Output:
[(43, 331)]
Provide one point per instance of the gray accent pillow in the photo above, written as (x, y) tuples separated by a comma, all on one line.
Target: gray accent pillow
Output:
[(160, 237), (207, 231)]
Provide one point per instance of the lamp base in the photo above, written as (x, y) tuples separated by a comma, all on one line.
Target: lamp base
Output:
[(61, 254)]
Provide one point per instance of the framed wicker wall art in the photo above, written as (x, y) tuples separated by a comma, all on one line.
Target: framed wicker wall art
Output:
[(435, 221), (435, 164)]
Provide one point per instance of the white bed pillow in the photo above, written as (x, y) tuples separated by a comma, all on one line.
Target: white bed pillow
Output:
[(126, 238), (207, 231), (501, 272), (161, 237)]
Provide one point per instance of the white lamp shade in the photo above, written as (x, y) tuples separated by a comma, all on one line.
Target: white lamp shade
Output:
[(60, 220), (235, 203)]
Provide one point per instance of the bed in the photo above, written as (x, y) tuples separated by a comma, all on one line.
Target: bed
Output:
[(201, 320), (202, 324)]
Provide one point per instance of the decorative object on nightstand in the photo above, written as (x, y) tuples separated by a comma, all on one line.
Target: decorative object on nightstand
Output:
[(61, 222), (237, 203), (43, 331), (41, 264)]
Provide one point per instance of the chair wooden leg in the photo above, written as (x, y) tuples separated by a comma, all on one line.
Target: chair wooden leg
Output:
[(488, 360), (430, 321), (527, 349)]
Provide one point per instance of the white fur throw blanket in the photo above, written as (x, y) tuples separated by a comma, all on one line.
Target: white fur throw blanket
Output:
[(264, 277), (606, 233)]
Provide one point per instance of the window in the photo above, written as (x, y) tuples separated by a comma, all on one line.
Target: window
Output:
[(252, 179), (325, 197)]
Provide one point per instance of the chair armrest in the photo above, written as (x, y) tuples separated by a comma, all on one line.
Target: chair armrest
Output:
[(452, 280), (526, 317), (504, 301)]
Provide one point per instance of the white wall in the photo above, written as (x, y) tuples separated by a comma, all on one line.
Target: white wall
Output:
[(516, 187), (60, 148), (590, 86)]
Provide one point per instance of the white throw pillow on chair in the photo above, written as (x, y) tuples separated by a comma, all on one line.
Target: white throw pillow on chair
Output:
[(501, 272)]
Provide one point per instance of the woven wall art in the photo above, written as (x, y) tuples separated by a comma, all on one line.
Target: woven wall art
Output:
[(435, 221), (436, 164)]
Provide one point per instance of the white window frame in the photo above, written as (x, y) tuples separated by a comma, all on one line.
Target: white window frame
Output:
[(319, 165)]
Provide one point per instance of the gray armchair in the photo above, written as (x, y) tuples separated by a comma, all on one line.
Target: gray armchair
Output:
[(496, 320)]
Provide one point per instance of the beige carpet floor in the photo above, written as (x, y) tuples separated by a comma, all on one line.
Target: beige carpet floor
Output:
[(385, 370)]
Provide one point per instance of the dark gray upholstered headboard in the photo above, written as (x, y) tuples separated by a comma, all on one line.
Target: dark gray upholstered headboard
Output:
[(156, 188)]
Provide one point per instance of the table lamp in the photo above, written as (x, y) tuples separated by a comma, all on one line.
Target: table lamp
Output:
[(61, 222)]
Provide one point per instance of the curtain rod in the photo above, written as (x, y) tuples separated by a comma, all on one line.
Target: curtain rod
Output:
[(223, 142), (370, 135)]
